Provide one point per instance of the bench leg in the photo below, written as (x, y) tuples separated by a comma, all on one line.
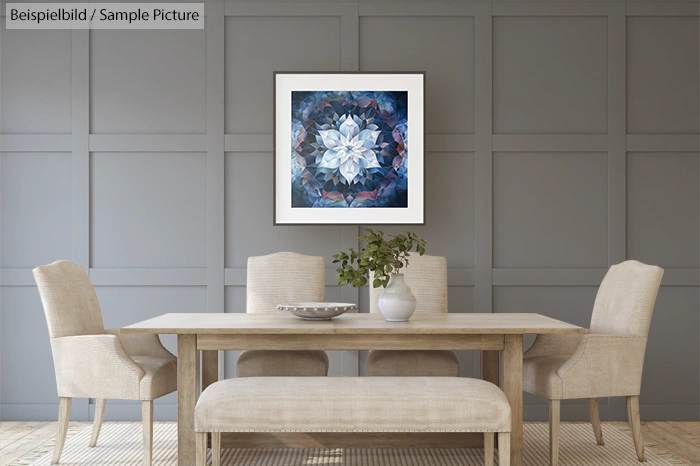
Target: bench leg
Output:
[(504, 449), (201, 448), (488, 448), (216, 449)]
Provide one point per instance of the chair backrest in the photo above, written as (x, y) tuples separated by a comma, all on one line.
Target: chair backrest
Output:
[(625, 299), (69, 299), (427, 277), (284, 277)]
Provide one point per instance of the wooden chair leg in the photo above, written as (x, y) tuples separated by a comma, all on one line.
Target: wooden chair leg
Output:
[(63, 420), (147, 420), (201, 448), (97, 423), (216, 449), (554, 417), (488, 448), (636, 424), (504, 449), (595, 420)]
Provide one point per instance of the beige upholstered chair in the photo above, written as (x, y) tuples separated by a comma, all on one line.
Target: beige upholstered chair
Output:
[(280, 278), (427, 277), (605, 362), (92, 362)]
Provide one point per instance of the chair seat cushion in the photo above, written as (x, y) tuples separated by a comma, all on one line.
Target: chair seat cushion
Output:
[(540, 376), (412, 363), (259, 363), (160, 376), (352, 404)]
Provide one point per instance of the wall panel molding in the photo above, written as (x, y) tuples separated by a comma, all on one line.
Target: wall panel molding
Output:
[(282, 8), (36, 142), (546, 8), (483, 159), (642, 8), (663, 142), (149, 277), (550, 142), (419, 9), (215, 161), (148, 143)]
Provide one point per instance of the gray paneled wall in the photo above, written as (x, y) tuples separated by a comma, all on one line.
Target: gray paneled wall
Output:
[(562, 138)]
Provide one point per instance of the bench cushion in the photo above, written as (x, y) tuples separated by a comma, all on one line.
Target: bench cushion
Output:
[(352, 404)]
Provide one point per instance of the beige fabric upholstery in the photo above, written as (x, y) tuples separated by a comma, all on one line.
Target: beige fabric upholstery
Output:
[(412, 363), (142, 345), (427, 277), (160, 376), (91, 362), (282, 363), (95, 366), (352, 404), (557, 345), (607, 361), (69, 299), (283, 277), (625, 299)]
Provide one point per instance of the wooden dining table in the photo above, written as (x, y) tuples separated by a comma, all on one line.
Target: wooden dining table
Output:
[(498, 336)]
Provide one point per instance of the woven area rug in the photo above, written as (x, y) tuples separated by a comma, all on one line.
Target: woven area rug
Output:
[(120, 444)]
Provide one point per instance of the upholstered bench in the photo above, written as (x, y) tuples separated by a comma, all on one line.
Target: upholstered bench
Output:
[(353, 404)]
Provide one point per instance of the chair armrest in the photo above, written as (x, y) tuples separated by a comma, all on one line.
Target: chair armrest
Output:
[(142, 345), (95, 366), (554, 345), (604, 365)]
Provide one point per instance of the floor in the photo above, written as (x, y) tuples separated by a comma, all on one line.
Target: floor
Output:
[(681, 438)]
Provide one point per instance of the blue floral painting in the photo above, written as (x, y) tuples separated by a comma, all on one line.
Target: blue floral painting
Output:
[(349, 149)]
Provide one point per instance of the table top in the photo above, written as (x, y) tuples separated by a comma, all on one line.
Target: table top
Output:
[(280, 322)]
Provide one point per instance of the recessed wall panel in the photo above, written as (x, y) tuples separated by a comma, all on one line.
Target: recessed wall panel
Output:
[(256, 47), (443, 47), (550, 209), (35, 81), (24, 344), (449, 210), (662, 75), (550, 75), (148, 81), (672, 357), (663, 206), (249, 228), (572, 304), (35, 225), (148, 209)]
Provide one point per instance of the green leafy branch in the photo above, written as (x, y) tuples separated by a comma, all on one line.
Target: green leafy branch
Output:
[(381, 255)]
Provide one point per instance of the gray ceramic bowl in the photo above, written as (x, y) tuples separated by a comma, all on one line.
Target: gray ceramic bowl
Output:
[(317, 311)]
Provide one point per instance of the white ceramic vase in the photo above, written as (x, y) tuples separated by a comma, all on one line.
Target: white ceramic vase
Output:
[(397, 303)]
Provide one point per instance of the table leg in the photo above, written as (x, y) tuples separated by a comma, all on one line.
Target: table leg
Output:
[(513, 388), (210, 368), (489, 366), (187, 391)]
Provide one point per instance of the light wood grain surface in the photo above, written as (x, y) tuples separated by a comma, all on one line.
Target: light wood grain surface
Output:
[(354, 323), (340, 341), (282, 331)]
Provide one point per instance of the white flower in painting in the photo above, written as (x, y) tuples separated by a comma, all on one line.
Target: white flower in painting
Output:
[(349, 149)]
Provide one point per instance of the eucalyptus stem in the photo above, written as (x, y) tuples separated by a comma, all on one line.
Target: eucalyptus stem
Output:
[(380, 255)]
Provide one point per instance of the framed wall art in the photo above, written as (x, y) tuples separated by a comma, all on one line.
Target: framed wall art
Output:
[(349, 148)]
